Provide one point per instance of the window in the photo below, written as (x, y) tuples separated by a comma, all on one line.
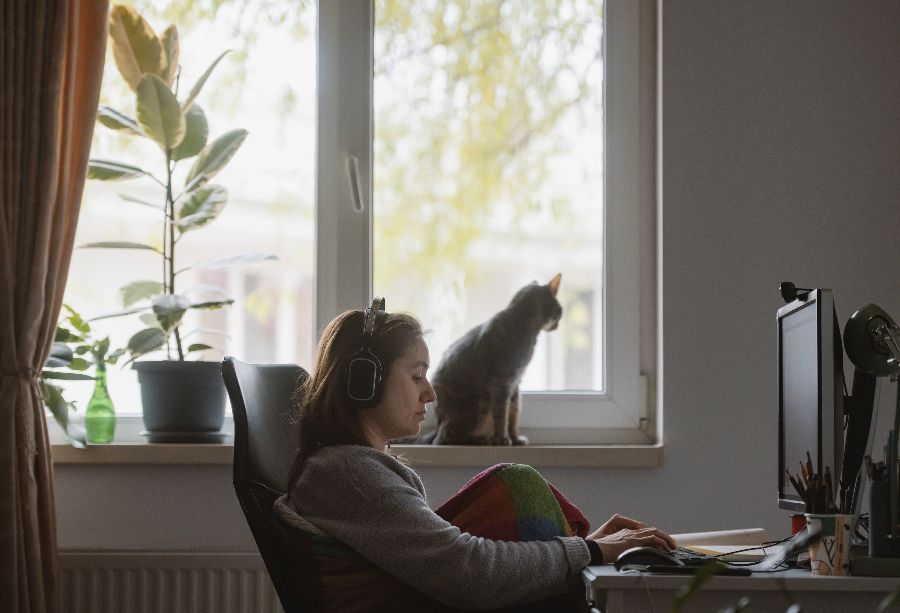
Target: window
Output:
[(477, 146), (449, 152), (270, 183)]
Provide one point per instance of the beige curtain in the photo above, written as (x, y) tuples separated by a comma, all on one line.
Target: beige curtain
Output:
[(51, 63)]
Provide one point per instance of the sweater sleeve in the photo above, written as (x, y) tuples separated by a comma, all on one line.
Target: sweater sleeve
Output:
[(381, 512)]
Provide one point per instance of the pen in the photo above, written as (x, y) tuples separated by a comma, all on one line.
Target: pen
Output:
[(800, 489), (852, 504)]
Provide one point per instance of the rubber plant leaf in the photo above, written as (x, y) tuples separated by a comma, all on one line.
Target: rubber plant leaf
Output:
[(120, 313), (196, 132), (139, 290), (104, 170), (118, 245), (233, 260), (145, 341), (136, 48), (201, 206), (111, 118), (214, 157), (212, 304), (169, 309), (158, 112), (195, 90), (171, 50), (129, 198), (198, 347)]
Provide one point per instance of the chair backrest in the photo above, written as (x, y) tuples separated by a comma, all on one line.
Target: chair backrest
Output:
[(262, 398)]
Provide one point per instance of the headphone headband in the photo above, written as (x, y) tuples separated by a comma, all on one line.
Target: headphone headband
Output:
[(372, 314), (365, 371)]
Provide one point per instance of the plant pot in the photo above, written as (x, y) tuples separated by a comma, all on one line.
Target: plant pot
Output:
[(182, 397)]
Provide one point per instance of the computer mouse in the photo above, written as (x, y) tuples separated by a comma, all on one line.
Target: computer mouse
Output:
[(646, 556)]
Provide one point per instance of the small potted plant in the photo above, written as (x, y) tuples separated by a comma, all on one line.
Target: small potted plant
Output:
[(178, 395), (73, 352)]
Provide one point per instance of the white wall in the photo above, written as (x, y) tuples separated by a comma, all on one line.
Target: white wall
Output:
[(781, 157)]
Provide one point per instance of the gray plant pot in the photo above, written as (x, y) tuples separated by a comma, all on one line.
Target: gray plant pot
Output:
[(182, 396)]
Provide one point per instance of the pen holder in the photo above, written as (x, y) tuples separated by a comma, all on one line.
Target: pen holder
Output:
[(831, 555), (880, 543)]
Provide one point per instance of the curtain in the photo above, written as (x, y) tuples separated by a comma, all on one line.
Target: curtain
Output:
[(51, 64)]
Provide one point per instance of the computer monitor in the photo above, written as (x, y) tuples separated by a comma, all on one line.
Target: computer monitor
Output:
[(810, 391)]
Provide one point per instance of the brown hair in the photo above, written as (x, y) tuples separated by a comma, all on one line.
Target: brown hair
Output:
[(326, 415)]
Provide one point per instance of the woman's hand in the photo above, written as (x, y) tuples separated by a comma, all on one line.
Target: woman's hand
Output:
[(621, 533)]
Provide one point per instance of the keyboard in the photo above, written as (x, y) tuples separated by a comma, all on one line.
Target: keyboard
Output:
[(689, 556)]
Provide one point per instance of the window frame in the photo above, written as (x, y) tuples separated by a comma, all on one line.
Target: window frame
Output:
[(625, 411)]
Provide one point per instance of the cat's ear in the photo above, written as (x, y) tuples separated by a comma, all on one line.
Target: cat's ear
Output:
[(554, 283)]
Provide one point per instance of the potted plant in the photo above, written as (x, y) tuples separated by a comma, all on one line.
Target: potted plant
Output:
[(177, 395), (73, 352)]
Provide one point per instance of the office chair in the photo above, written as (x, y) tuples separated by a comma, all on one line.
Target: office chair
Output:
[(264, 449)]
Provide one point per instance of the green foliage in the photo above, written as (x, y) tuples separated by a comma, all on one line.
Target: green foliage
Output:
[(687, 591), (159, 113), (468, 132), (149, 65), (73, 338), (474, 92), (889, 602)]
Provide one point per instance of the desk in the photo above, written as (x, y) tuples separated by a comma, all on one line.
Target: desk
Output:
[(630, 592)]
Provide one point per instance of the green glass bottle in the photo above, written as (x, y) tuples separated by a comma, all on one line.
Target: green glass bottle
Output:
[(100, 416)]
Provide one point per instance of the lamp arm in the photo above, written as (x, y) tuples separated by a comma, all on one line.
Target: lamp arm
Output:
[(891, 339), (890, 336)]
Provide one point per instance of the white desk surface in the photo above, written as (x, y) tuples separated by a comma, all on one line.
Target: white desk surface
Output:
[(619, 592)]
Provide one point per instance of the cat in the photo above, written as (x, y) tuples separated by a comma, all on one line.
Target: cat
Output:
[(477, 380)]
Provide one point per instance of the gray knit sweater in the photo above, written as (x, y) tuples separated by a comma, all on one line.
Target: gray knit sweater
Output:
[(377, 506)]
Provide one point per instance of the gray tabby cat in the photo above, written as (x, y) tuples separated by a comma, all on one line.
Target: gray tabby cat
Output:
[(477, 381)]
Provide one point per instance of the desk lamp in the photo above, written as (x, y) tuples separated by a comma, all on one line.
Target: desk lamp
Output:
[(872, 342)]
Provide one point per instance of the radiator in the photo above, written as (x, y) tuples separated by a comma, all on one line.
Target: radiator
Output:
[(164, 582)]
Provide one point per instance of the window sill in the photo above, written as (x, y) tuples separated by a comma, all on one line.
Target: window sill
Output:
[(143, 453), (617, 456)]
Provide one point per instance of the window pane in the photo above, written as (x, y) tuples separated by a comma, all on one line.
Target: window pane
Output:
[(266, 85), (488, 169)]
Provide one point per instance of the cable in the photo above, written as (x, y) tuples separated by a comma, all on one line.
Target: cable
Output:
[(646, 587), (736, 563)]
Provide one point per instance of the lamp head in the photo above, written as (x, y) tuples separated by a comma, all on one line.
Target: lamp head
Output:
[(867, 337)]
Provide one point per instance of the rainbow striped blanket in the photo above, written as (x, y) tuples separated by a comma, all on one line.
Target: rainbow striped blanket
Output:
[(513, 502)]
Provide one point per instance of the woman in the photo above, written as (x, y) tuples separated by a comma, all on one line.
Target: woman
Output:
[(346, 483)]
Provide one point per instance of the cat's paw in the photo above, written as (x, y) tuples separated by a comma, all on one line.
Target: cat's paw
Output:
[(502, 441), (520, 440)]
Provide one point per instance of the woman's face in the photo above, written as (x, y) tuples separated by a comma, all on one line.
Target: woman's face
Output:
[(402, 406)]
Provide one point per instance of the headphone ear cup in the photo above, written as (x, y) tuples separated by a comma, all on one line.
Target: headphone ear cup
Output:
[(364, 377)]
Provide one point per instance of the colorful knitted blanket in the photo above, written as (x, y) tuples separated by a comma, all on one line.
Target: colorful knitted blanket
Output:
[(513, 502)]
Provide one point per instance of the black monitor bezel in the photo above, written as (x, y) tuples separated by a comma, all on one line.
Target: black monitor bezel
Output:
[(830, 402)]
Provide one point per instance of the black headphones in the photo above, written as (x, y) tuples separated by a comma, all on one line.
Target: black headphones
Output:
[(365, 371)]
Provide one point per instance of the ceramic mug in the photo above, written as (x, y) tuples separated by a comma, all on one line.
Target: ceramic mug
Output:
[(831, 555)]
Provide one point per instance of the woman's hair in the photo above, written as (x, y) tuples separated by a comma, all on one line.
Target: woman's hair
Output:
[(326, 415)]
